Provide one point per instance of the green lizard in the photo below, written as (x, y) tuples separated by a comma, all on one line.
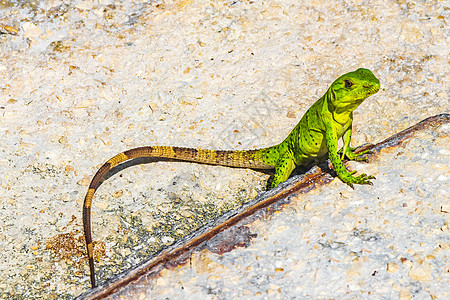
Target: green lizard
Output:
[(317, 134)]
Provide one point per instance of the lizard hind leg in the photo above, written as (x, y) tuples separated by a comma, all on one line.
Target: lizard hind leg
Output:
[(283, 170)]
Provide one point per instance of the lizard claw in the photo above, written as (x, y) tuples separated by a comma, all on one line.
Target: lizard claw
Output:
[(361, 179), (362, 158), (350, 185), (365, 179)]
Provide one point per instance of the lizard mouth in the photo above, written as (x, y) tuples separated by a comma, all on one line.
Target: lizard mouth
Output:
[(371, 91), (368, 91)]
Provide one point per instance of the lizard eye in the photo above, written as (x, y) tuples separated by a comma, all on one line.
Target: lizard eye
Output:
[(348, 84)]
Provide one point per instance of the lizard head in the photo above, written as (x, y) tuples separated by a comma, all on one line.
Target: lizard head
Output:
[(351, 89)]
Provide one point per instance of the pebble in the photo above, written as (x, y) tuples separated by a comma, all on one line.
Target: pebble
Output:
[(405, 294), (103, 205), (30, 30), (85, 181), (421, 272), (392, 267)]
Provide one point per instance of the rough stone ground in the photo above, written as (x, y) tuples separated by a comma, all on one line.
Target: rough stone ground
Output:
[(83, 80)]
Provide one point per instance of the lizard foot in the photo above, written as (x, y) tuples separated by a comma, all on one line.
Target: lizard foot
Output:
[(361, 179), (361, 156)]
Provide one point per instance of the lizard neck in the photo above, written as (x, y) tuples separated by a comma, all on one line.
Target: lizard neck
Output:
[(340, 114)]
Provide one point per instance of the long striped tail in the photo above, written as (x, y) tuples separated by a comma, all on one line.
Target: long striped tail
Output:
[(252, 159)]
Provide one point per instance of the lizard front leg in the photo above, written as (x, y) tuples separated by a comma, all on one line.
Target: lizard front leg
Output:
[(343, 174), (348, 151)]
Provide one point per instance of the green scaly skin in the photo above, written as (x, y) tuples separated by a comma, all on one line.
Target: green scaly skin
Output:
[(317, 134), (326, 121)]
